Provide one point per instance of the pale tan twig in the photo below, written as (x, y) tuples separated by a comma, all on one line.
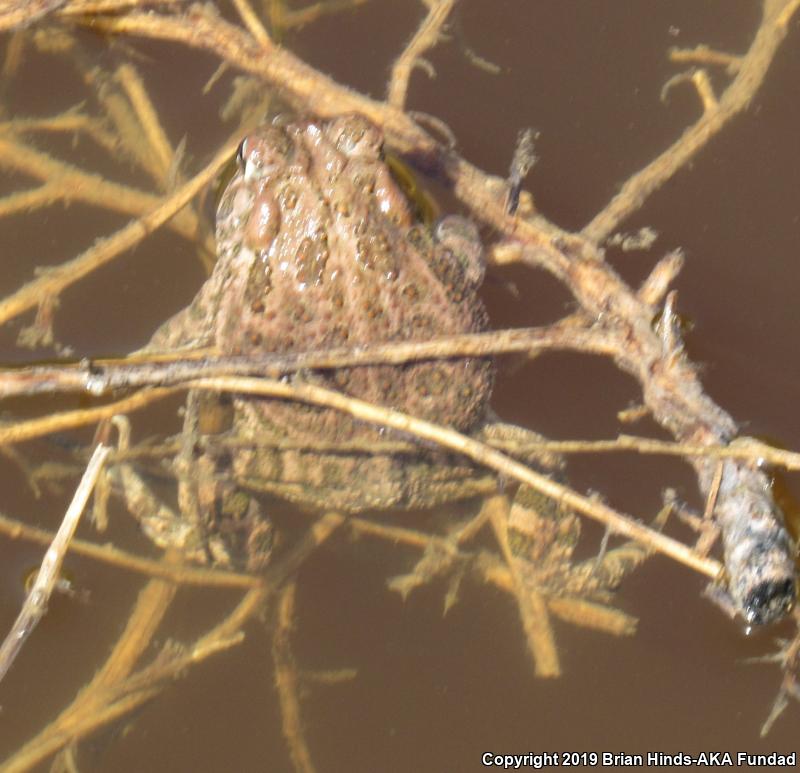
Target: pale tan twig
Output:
[(746, 449), (88, 7), (26, 430), (785, 11), (705, 90), (157, 143), (27, 201), (175, 573), (654, 289), (713, 493), (282, 17), (77, 185), (287, 682), (702, 84), (121, 112), (474, 449), (90, 709), (115, 692), (397, 534), (55, 280), (589, 614), (16, 44), (70, 121), (427, 36), (530, 602), (750, 74), (19, 13), (253, 24), (101, 376), (38, 597), (704, 54)]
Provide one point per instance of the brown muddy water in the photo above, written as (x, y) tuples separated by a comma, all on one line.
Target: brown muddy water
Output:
[(434, 692)]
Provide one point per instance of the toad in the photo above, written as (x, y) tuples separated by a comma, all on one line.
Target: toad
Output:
[(319, 247)]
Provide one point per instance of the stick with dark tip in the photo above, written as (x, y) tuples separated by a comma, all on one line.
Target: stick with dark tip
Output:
[(524, 158)]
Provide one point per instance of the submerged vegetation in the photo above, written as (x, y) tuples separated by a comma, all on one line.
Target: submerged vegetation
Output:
[(526, 549)]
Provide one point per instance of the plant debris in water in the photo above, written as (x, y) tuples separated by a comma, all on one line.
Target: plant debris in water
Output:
[(533, 539)]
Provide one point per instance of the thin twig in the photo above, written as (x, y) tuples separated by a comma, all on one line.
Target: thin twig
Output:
[(36, 602), (27, 201), (51, 283), (88, 7), (77, 185), (749, 77), (704, 54), (173, 572), (149, 121), (89, 710), (58, 422), (530, 602), (287, 682), (19, 13), (101, 376), (477, 451), (253, 24), (426, 37), (115, 692)]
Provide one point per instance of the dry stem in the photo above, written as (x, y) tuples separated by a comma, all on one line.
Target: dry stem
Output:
[(253, 24), (750, 74), (94, 705), (73, 184), (531, 603), (115, 691), (426, 37), (36, 602), (15, 13), (26, 430), (100, 376), (670, 384), (287, 682), (477, 451), (175, 573), (51, 283), (158, 146)]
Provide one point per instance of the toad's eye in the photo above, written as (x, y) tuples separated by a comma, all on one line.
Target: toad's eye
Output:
[(240, 153)]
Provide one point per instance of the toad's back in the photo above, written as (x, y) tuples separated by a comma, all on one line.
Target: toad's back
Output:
[(318, 247)]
